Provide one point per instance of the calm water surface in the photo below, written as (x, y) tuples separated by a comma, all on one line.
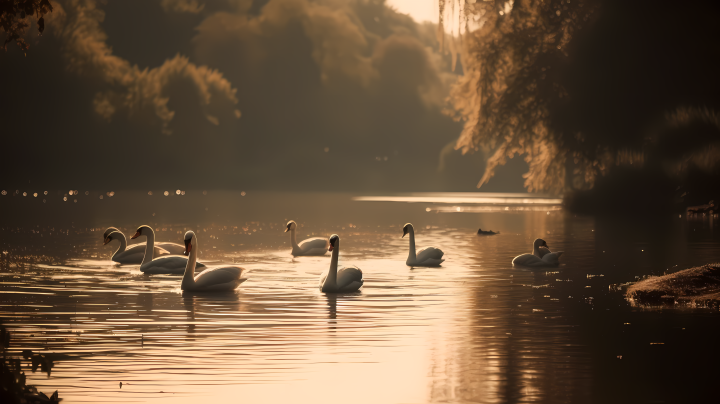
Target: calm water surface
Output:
[(475, 330)]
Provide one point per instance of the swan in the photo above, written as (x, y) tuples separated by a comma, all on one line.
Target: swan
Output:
[(345, 279), (132, 255), (169, 248), (217, 279), (169, 264), (425, 257), (310, 246), (482, 232), (540, 257)]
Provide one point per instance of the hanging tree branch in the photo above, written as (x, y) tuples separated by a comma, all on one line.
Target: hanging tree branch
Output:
[(15, 18)]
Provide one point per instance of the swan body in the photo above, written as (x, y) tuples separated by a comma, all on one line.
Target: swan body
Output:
[(165, 248), (218, 279), (129, 255), (540, 257), (482, 232), (345, 279), (424, 257), (169, 264), (310, 246)]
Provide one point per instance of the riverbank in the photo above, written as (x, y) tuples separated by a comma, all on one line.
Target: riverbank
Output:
[(698, 286)]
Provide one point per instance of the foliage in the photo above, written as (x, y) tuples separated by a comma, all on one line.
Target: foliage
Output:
[(14, 16), (13, 388), (510, 52), (555, 82)]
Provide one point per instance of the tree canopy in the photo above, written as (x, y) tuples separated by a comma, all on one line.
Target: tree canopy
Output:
[(579, 87)]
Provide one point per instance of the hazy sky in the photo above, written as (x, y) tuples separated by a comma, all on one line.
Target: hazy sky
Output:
[(419, 10), (263, 94)]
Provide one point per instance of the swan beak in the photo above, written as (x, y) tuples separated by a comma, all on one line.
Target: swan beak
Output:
[(107, 240), (287, 230), (188, 247), (330, 248), (137, 234)]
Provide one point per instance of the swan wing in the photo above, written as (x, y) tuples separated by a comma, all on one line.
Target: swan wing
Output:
[(552, 258), (159, 252), (526, 260), (349, 278), (530, 260), (140, 247), (136, 248), (169, 264), (429, 253), (543, 252), (135, 253), (313, 243), (130, 257), (430, 262), (218, 276), (171, 248)]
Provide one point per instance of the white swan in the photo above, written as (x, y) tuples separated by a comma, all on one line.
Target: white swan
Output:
[(169, 264), (132, 255), (425, 257), (345, 279), (310, 246), (540, 257), (217, 279), (169, 248)]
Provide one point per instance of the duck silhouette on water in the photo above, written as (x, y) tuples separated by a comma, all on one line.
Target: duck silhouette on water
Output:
[(482, 232)]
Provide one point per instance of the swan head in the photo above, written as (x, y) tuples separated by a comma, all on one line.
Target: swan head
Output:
[(143, 230), (291, 225), (540, 243), (110, 237), (189, 238), (407, 228), (334, 241), (108, 231)]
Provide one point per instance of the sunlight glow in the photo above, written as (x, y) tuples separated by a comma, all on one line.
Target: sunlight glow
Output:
[(419, 10)]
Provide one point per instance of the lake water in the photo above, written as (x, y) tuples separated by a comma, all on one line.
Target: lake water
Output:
[(475, 330)]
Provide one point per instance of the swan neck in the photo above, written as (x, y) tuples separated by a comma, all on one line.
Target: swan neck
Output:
[(411, 256), (123, 244), (536, 251), (189, 275), (331, 279), (293, 240), (149, 247)]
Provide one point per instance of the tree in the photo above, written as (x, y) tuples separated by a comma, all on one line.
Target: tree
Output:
[(579, 87), (510, 52), (14, 16)]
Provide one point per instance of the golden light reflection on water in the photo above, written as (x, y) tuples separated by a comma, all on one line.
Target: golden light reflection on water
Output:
[(474, 330), (395, 335), (476, 198)]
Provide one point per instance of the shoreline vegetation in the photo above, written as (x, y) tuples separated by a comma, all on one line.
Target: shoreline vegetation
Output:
[(13, 387), (695, 287)]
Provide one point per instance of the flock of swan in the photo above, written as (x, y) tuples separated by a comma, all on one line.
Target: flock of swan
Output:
[(172, 258)]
